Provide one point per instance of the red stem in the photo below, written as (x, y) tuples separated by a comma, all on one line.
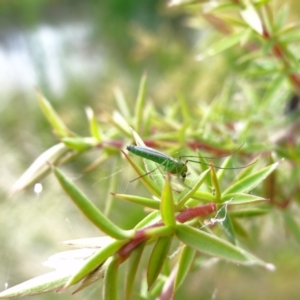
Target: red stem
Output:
[(184, 216)]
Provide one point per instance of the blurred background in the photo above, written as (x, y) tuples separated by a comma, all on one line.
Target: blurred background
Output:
[(78, 53)]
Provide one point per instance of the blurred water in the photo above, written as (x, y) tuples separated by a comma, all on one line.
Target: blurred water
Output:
[(48, 55)]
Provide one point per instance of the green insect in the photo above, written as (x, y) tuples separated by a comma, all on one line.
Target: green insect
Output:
[(171, 165)]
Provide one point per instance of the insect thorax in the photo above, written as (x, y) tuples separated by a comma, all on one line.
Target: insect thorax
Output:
[(180, 169), (183, 171)]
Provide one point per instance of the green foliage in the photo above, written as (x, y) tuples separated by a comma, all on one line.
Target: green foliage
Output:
[(89, 209), (200, 217), (174, 204)]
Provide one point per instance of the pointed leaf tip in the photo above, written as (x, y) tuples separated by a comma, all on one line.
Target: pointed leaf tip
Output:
[(89, 209), (251, 181), (41, 166), (53, 118)]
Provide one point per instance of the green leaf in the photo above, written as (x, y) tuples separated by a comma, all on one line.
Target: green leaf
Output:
[(155, 289), (184, 265), (146, 202), (140, 103), (133, 264), (122, 103), (215, 184), (212, 245), (148, 119), (248, 57), (110, 290), (240, 198), (224, 44), (94, 261), (226, 224), (96, 275), (184, 109), (221, 172), (281, 18), (203, 196), (38, 285), (239, 228), (94, 125), (258, 73), (90, 210), (274, 89), (118, 121), (121, 123), (80, 143), (152, 218), (249, 212), (147, 182), (157, 258), (249, 169), (53, 118), (155, 232), (167, 204), (251, 181), (188, 193), (205, 166), (290, 34), (150, 166)]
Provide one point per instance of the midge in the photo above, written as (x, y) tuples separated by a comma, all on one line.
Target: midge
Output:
[(172, 165)]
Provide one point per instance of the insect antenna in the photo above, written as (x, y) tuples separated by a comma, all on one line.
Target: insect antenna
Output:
[(225, 155), (228, 168)]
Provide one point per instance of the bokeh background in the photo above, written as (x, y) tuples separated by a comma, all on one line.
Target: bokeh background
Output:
[(79, 53)]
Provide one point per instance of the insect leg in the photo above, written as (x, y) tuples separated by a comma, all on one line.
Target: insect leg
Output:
[(145, 174)]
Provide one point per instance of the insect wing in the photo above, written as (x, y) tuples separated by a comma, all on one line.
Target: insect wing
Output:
[(152, 154), (150, 164)]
